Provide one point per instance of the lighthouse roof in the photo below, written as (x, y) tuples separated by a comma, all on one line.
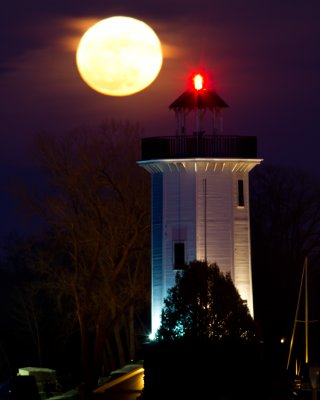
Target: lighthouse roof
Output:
[(201, 99)]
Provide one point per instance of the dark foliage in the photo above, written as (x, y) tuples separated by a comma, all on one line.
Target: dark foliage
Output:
[(204, 303), (285, 228), (208, 344)]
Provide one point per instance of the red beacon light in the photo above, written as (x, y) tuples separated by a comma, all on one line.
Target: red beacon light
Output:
[(199, 99), (198, 82)]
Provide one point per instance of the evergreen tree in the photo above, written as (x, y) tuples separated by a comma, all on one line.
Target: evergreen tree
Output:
[(205, 304), (207, 341)]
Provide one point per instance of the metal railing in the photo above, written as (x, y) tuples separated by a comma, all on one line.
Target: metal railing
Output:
[(199, 146)]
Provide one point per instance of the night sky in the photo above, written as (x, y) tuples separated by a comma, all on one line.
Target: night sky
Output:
[(264, 59)]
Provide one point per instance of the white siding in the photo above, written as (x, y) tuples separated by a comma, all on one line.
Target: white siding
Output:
[(214, 218), (200, 208)]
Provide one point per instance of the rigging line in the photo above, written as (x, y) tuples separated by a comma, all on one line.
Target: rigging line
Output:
[(306, 305), (297, 311)]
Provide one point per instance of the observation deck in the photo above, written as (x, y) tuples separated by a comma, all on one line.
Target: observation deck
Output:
[(199, 146)]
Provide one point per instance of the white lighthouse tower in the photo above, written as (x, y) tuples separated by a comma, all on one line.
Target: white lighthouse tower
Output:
[(200, 196)]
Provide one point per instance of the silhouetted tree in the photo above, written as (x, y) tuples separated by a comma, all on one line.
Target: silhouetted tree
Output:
[(204, 303), (285, 228), (28, 318), (207, 341)]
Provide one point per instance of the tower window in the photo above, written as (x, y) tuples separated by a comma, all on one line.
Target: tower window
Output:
[(179, 255), (240, 193)]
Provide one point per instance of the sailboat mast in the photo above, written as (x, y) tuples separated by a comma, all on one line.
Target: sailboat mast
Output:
[(306, 320), (306, 326)]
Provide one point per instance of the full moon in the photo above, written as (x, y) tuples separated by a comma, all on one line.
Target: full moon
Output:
[(119, 56)]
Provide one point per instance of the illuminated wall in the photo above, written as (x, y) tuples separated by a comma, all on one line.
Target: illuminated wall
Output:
[(200, 211)]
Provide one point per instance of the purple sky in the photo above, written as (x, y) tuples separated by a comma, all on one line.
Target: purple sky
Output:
[(264, 58)]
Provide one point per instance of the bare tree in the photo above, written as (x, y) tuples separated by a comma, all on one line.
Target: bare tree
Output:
[(96, 260)]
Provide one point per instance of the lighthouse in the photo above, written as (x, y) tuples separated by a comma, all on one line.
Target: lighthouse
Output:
[(199, 195)]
